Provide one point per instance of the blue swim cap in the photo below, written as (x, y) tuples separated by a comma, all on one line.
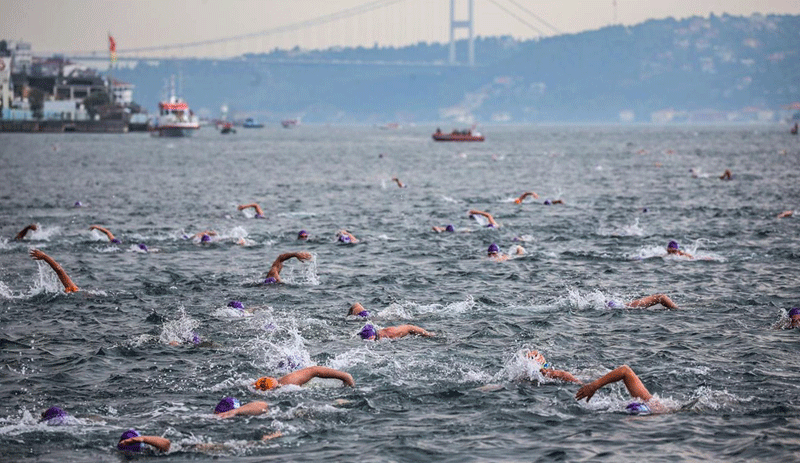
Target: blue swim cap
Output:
[(637, 408), (368, 332), (205, 239), (133, 447), (116, 241), (143, 247), (270, 280), (615, 304), (493, 249), (363, 313), (794, 311), (226, 404), (236, 305), (344, 238), (672, 245), (54, 416), (302, 234), (450, 228)]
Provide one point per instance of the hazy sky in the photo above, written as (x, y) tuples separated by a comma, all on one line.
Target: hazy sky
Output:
[(82, 25)]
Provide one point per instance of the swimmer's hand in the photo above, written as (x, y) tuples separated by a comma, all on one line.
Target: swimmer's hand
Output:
[(275, 434), (303, 256), (586, 392), (38, 255)]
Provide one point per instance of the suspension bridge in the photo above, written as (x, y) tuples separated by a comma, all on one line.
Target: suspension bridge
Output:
[(384, 21)]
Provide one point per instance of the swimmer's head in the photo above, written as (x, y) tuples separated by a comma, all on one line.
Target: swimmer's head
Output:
[(368, 332), (302, 235), (517, 201), (493, 250), (344, 238), (644, 209), (637, 408), (672, 246), (115, 240), (143, 247), (270, 280), (794, 313), (612, 304), (266, 383), (78, 204), (358, 310), (450, 228), (137, 447), (54, 416), (259, 216), (236, 305), (196, 339), (226, 404), (537, 357), (547, 202), (205, 238)]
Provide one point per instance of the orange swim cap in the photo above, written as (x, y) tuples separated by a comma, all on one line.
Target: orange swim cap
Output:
[(266, 383), (517, 201)]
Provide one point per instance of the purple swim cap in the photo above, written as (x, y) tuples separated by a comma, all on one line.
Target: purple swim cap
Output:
[(143, 247), (344, 238), (196, 339), (133, 447), (615, 304), (116, 241), (637, 408), (226, 404), (368, 332), (78, 204), (794, 311), (450, 228), (205, 239), (547, 202), (364, 313), (270, 280), (302, 234), (493, 249), (54, 416), (236, 305), (672, 245)]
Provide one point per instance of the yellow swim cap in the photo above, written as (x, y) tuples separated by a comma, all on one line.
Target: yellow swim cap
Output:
[(266, 383)]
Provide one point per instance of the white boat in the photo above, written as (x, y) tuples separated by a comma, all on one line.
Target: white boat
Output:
[(175, 119), (290, 123)]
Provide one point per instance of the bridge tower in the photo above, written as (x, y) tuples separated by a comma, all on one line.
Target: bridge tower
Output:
[(468, 24)]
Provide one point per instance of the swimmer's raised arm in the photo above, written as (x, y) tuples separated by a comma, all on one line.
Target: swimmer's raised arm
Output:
[(525, 195), (259, 212), (250, 409), (780, 216), (102, 230), (560, 374), (277, 266), (650, 301), (403, 330), (158, 442), (399, 183), (624, 373), (485, 214), (25, 231), (305, 375), (69, 286)]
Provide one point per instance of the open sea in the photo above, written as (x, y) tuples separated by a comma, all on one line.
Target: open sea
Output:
[(105, 354)]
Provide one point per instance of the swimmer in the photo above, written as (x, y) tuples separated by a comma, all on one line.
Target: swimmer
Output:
[(133, 442), (259, 212), (673, 248), (54, 416), (634, 386), (448, 228), (107, 233), (392, 332), (346, 237), (203, 236), (399, 183), (727, 175), (780, 216), (547, 202), (229, 406), (69, 286), (358, 310), (550, 372), (274, 274), (493, 252), (492, 223), (525, 195), (302, 235), (21, 235), (794, 317), (302, 376), (645, 302)]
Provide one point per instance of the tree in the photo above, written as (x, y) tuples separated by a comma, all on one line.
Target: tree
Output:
[(36, 101), (94, 101)]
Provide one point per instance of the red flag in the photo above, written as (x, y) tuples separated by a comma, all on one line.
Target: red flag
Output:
[(112, 47)]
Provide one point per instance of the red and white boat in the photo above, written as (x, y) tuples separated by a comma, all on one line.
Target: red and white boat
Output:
[(175, 119)]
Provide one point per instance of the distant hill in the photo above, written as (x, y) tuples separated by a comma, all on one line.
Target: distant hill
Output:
[(695, 65)]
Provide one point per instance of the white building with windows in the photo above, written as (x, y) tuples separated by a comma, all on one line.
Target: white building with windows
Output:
[(122, 92)]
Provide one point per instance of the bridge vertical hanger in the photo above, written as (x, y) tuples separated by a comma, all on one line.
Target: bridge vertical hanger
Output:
[(468, 24)]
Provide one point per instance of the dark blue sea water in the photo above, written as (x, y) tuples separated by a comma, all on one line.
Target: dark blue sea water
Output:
[(104, 354)]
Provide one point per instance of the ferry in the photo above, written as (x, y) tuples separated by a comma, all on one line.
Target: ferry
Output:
[(175, 119), (457, 135), (251, 123)]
